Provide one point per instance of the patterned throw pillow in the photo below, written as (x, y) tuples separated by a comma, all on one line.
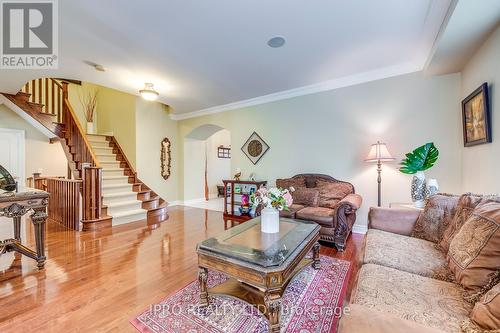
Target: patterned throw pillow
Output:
[(330, 193), (486, 312), (436, 217), (474, 253), (286, 183), (465, 206), (306, 196)]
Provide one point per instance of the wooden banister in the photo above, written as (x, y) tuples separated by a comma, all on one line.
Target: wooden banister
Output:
[(77, 134), (64, 201)]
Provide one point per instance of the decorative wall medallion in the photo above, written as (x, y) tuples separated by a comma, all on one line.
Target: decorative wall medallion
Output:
[(165, 158), (255, 148)]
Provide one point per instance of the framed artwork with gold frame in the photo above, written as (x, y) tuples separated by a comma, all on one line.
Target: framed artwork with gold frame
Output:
[(476, 117), (255, 148)]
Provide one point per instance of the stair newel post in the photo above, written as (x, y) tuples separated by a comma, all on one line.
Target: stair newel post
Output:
[(92, 194)]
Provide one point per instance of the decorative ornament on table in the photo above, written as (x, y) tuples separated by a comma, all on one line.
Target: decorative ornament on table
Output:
[(272, 201), (252, 176), (415, 163), (432, 187), (237, 174)]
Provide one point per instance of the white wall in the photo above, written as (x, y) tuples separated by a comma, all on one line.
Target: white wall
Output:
[(218, 168), (331, 132), (152, 125), (481, 163), (40, 154), (194, 169)]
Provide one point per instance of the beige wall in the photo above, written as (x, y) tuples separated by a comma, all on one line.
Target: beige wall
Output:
[(40, 154), (480, 163), (75, 95), (152, 125), (331, 132), (116, 116)]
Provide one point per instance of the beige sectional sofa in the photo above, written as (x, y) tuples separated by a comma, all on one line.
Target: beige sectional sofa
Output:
[(406, 283)]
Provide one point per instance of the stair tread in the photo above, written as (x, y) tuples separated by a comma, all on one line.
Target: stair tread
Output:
[(131, 212), (118, 194), (116, 185), (115, 177), (123, 203)]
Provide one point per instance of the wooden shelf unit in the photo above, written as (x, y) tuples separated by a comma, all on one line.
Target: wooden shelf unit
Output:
[(231, 206)]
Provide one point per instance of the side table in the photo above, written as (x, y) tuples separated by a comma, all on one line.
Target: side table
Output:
[(16, 204)]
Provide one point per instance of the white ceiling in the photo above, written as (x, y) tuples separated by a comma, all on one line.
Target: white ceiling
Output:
[(471, 23), (204, 54)]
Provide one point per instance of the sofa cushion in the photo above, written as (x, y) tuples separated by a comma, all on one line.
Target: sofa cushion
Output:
[(331, 192), (465, 206), (437, 215), (286, 183), (474, 252), (290, 213), (486, 312), (306, 196), (322, 216), (427, 301), (360, 319), (405, 253)]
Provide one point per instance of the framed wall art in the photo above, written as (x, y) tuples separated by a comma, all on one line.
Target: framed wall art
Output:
[(476, 117), (254, 148), (165, 158)]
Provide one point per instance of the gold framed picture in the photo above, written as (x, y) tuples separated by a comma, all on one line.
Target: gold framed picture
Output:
[(476, 117)]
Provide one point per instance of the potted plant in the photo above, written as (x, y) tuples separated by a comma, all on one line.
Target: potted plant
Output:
[(89, 103), (415, 163), (272, 201)]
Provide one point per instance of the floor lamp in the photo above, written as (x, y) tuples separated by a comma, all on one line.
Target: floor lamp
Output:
[(379, 153)]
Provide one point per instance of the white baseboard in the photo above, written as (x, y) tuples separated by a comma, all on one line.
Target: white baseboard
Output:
[(175, 203), (359, 229)]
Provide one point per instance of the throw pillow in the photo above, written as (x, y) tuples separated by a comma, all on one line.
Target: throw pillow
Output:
[(437, 215), (474, 252), (331, 193), (465, 206), (486, 312), (306, 196), (296, 182)]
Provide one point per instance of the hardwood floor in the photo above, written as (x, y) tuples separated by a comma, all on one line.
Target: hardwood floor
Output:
[(97, 281)]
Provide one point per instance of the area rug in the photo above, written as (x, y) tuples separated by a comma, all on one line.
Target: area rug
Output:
[(312, 302)]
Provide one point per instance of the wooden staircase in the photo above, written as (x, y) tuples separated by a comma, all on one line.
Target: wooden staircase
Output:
[(125, 197), (46, 101)]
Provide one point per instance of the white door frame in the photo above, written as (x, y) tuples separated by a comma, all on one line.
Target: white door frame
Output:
[(22, 153)]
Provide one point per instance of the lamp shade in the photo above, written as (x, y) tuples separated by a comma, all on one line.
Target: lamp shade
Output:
[(379, 152)]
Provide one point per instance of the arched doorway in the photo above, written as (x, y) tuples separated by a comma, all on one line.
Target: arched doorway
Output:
[(204, 166)]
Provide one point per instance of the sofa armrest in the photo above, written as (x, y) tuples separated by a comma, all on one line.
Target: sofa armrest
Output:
[(396, 220), (353, 201)]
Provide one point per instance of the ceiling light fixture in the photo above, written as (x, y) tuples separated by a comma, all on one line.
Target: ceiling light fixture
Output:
[(276, 42), (149, 93)]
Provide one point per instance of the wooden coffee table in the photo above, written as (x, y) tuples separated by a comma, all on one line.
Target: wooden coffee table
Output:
[(259, 265)]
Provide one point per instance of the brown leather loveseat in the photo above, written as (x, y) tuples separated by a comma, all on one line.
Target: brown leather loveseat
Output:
[(329, 202)]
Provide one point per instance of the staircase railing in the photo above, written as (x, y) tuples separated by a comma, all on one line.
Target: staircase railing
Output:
[(64, 201), (49, 93), (53, 95)]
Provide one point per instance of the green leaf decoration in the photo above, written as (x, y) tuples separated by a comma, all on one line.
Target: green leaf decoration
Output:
[(421, 159)]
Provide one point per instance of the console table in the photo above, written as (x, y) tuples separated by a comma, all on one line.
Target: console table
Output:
[(16, 204)]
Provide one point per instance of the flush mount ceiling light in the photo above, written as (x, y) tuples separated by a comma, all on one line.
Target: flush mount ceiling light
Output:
[(276, 42), (149, 93)]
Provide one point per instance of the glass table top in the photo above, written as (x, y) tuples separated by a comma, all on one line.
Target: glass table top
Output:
[(246, 242)]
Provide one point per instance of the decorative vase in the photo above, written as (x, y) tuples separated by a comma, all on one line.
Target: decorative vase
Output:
[(418, 189), (432, 187), (270, 220), (90, 127)]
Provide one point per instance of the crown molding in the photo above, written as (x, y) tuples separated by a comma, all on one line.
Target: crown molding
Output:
[(342, 82)]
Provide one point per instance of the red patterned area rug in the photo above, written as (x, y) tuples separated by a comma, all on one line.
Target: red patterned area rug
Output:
[(312, 303)]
